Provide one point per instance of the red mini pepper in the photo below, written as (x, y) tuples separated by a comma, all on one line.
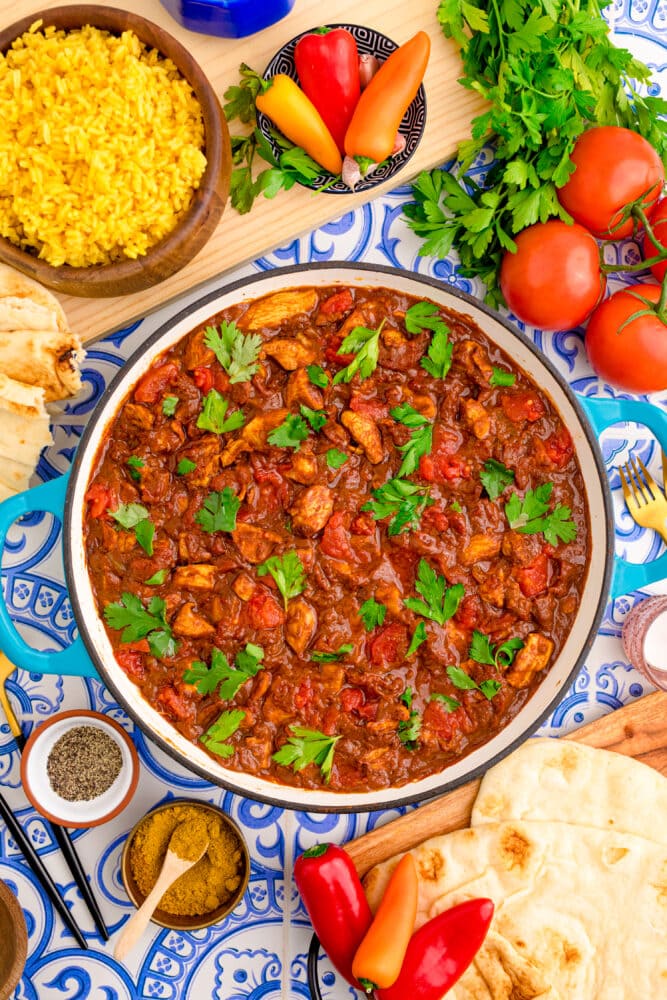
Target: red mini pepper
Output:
[(327, 63), (441, 951), (334, 898)]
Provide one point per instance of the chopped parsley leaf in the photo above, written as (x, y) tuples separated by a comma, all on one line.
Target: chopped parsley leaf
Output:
[(216, 736), (449, 704), (287, 572), (169, 404), (365, 345), (213, 416), (372, 613), (236, 352), (439, 602), (290, 433), (531, 515), (138, 622), (501, 377), (221, 676), (402, 501), (316, 418), (136, 464), (421, 438), (318, 376), (185, 465), (308, 746), (336, 458), (495, 477), (482, 650), (418, 636), (319, 656), (219, 511)]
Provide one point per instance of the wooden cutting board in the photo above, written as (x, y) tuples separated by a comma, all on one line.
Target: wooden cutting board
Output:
[(638, 730), (270, 224)]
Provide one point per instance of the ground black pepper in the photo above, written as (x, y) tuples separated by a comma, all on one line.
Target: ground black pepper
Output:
[(83, 764)]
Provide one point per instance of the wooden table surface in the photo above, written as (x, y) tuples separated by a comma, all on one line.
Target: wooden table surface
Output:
[(270, 224)]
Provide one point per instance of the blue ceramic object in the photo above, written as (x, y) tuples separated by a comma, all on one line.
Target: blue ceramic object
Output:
[(227, 18)]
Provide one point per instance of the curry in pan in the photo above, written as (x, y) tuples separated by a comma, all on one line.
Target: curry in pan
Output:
[(337, 536)]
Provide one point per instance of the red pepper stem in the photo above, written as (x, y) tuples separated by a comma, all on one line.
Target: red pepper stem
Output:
[(316, 851)]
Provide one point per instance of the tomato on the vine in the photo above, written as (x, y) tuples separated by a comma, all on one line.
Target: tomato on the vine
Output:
[(614, 168), (553, 281), (633, 356), (658, 222)]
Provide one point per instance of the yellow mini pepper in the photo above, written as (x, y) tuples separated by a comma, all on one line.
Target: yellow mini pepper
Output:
[(297, 118)]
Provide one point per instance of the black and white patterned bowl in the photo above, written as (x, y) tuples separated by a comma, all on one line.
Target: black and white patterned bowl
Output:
[(369, 42)]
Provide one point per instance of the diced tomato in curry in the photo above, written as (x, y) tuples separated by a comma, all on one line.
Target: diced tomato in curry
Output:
[(515, 586)]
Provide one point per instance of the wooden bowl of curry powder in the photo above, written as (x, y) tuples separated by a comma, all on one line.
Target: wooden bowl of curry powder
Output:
[(212, 888)]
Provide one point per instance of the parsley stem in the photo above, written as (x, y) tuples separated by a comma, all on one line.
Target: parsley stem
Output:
[(499, 23)]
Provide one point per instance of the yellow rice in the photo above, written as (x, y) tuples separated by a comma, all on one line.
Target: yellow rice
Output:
[(101, 145)]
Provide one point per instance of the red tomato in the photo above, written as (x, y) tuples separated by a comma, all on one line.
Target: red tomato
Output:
[(331, 352), (635, 358), (131, 661), (614, 167), (553, 281), (264, 611), (100, 499), (337, 304), (534, 579), (335, 541), (203, 379), (154, 383), (658, 222), (389, 646), (559, 448), (522, 405)]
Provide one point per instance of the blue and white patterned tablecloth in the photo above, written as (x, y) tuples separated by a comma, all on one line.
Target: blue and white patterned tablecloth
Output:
[(260, 951)]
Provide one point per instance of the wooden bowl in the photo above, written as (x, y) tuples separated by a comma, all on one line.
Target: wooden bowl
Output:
[(14, 937), (172, 252), (171, 920)]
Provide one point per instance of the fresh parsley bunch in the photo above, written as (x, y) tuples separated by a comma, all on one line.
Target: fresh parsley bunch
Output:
[(548, 70)]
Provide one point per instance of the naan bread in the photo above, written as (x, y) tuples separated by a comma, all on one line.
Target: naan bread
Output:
[(36, 345), (24, 431), (568, 782), (39, 363), (46, 358), (26, 302), (581, 914)]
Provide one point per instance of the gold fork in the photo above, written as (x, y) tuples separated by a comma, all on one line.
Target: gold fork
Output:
[(644, 499)]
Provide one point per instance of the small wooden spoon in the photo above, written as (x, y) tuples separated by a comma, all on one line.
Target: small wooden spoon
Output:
[(172, 868)]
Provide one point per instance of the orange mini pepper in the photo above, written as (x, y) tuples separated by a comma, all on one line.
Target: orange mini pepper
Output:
[(297, 118), (378, 961), (385, 100)]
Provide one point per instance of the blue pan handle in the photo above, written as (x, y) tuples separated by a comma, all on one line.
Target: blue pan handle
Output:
[(602, 413), (73, 660)]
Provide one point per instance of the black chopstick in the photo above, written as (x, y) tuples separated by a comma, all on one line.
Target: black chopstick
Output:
[(68, 851), (66, 845), (313, 979), (37, 865)]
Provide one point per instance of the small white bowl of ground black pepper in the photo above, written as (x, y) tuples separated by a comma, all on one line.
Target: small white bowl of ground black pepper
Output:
[(79, 769)]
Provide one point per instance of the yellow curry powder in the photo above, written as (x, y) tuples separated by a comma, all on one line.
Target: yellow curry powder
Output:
[(211, 882)]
